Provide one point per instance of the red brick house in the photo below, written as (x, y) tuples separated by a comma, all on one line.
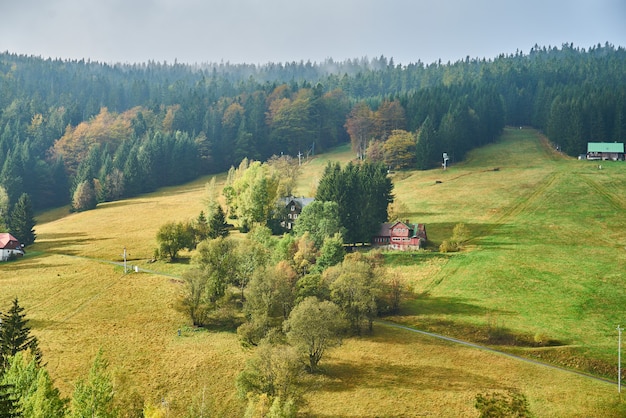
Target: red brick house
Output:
[(401, 236), (9, 246)]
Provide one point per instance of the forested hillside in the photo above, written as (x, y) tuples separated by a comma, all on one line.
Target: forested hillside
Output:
[(115, 130)]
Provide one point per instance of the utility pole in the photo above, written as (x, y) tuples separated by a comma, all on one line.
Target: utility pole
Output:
[(619, 359), (124, 260)]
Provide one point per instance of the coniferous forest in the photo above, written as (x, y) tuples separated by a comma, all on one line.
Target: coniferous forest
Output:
[(88, 132)]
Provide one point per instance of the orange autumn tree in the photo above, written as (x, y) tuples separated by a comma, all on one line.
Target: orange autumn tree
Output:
[(105, 128)]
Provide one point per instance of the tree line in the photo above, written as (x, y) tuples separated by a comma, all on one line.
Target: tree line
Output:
[(83, 132)]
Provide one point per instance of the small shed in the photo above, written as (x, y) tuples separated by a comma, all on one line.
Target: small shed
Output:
[(9, 246), (605, 151)]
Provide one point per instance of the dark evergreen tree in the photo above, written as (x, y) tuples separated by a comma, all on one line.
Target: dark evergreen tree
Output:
[(362, 193), (426, 147), (15, 334), (217, 226), (22, 221), (9, 405)]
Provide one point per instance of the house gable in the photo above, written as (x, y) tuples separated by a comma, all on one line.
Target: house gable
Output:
[(9, 245), (400, 236), (294, 206)]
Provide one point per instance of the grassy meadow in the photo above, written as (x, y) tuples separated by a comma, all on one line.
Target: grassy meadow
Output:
[(543, 269)]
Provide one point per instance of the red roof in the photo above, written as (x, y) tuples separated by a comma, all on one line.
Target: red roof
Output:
[(9, 242)]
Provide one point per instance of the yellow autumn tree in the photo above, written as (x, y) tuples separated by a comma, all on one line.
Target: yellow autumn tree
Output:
[(399, 150)]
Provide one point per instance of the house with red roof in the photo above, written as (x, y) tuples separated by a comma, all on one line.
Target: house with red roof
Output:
[(9, 246), (401, 236)]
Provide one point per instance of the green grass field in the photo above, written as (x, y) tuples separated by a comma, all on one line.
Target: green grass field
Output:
[(545, 262)]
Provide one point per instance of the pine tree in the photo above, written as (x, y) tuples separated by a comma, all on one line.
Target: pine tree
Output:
[(15, 334), (8, 403), (425, 148), (22, 220), (217, 224)]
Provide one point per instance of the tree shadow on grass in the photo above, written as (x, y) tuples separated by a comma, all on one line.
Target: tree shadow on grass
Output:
[(119, 203), (345, 376), (425, 304), (60, 242), (29, 262)]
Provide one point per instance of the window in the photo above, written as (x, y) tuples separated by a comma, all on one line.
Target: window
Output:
[(293, 208), (295, 216)]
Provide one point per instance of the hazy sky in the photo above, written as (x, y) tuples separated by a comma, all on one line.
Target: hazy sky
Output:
[(261, 31)]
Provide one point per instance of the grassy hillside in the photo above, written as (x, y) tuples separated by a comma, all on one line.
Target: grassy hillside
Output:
[(546, 257), (547, 254)]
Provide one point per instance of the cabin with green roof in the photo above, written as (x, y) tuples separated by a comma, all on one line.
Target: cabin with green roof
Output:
[(605, 151)]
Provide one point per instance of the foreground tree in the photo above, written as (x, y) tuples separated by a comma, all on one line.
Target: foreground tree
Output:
[(9, 404), (314, 327), (94, 397), (22, 221), (15, 335), (37, 396), (271, 376)]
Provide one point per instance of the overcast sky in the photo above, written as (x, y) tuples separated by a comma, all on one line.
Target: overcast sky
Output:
[(261, 31)]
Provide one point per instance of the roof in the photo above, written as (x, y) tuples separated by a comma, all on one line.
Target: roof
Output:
[(300, 201), (8, 241), (605, 147), (418, 230)]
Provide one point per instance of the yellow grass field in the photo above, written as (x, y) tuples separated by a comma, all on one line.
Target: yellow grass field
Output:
[(78, 302)]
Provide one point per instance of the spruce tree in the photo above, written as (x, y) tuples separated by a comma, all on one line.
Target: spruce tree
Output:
[(15, 335), (22, 220), (425, 150), (9, 407), (217, 224)]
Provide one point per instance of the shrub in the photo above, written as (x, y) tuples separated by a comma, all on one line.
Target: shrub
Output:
[(498, 404), (449, 246)]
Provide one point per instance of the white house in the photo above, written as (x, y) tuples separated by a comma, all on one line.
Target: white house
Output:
[(9, 245)]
